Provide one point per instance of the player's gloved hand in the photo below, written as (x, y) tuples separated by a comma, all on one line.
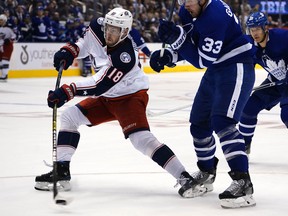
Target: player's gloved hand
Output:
[(172, 34), (60, 96), (157, 63), (6, 41), (66, 54)]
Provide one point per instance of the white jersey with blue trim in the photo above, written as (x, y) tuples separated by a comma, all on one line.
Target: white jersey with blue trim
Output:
[(274, 57), (119, 71), (214, 38)]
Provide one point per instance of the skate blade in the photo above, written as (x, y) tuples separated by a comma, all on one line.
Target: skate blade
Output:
[(48, 186), (240, 202), (209, 187), (194, 192)]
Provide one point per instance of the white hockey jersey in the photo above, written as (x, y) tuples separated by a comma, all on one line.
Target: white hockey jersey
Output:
[(120, 71)]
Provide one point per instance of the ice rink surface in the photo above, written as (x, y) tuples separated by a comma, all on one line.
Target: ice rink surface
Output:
[(109, 177)]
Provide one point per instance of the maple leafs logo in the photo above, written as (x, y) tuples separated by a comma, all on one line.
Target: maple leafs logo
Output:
[(278, 70)]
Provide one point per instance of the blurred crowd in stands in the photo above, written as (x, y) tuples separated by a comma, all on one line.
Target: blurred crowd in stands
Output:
[(65, 20)]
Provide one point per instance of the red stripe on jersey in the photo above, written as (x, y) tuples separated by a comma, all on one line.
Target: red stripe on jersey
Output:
[(89, 29)]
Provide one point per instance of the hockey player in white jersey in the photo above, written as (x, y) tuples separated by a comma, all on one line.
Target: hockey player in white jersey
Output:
[(272, 55), (118, 92), (7, 38)]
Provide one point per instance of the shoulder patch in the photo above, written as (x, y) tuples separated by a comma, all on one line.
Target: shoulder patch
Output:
[(125, 57), (100, 20)]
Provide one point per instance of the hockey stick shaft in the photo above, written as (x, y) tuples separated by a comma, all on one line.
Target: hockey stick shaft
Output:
[(268, 85), (54, 134), (152, 114), (169, 19)]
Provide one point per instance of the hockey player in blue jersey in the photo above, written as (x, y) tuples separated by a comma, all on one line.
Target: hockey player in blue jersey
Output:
[(210, 37), (272, 55), (118, 93)]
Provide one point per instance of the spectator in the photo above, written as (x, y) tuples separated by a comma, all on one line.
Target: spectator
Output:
[(41, 26), (25, 29), (61, 36), (256, 8), (20, 13), (271, 22), (55, 25), (147, 12)]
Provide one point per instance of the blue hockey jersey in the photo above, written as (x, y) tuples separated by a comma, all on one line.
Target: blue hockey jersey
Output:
[(214, 38), (274, 57)]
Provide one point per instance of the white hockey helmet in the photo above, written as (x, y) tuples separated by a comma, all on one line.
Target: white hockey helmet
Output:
[(119, 17), (3, 17)]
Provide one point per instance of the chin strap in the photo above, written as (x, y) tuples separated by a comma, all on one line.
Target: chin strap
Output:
[(265, 36)]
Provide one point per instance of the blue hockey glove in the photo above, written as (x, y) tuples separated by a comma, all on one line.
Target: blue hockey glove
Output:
[(60, 96), (171, 34), (67, 54), (157, 63)]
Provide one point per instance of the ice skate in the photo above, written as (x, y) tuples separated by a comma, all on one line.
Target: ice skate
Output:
[(4, 79), (44, 182), (239, 193), (248, 148), (190, 188), (206, 178)]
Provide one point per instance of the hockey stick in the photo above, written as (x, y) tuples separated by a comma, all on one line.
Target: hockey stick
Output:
[(149, 113), (58, 199), (268, 85), (169, 19)]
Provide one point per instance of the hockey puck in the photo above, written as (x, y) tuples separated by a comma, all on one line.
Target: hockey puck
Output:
[(61, 202)]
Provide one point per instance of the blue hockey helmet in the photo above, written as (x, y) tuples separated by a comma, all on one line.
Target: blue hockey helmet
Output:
[(256, 19)]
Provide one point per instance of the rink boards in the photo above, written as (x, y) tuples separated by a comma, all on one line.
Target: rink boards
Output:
[(36, 60)]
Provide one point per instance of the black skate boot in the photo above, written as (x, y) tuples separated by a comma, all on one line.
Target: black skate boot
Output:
[(248, 148), (3, 79), (206, 178), (239, 193), (45, 182), (190, 188)]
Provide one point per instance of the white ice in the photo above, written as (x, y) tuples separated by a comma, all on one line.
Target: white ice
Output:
[(109, 177)]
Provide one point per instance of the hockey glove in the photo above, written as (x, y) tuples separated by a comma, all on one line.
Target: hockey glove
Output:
[(67, 54), (171, 34), (60, 96), (157, 63)]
